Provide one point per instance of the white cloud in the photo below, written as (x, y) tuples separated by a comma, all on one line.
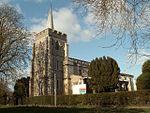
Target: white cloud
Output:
[(4, 1), (67, 22), (38, 24), (37, 1), (90, 18), (18, 8)]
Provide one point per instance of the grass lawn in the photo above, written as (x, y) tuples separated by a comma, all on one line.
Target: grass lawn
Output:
[(70, 110)]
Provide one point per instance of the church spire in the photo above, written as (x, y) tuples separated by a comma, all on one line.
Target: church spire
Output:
[(50, 22)]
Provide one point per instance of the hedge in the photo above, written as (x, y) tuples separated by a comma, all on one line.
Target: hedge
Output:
[(138, 98)]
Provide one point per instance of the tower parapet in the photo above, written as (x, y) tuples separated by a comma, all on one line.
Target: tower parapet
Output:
[(52, 33), (58, 34)]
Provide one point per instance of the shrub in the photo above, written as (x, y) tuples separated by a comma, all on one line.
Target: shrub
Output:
[(101, 99), (143, 81)]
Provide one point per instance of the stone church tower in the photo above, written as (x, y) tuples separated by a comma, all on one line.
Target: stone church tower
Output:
[(49, 62)]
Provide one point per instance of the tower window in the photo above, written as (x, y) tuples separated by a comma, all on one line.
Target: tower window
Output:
[(57, 64), (52, 42), (57, 45), (80, 72), (57, 84)]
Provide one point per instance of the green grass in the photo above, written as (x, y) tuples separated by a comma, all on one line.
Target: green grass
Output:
[(70, 110)]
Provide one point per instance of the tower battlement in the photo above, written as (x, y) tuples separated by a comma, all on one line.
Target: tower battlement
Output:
[(58, 34), (52, 33)]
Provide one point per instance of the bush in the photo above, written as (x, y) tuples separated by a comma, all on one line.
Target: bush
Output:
[(101, 99), (143, 81)]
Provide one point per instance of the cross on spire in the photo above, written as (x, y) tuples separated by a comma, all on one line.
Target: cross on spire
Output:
[(50, 22)]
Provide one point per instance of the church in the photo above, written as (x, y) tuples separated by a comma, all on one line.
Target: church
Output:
[(52, 68), (51, 64)]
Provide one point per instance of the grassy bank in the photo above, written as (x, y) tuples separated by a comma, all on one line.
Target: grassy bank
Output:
[(70, 110)]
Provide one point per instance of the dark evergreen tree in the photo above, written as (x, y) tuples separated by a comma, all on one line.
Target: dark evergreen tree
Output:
[(21, 89), (4, 92), (104, 74), (146, 67), (143, 81)]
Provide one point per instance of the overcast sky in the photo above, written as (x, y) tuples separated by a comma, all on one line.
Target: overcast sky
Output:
[(81, 35)]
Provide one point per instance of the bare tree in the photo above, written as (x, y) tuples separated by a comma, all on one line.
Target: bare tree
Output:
[(14, 42), (128, 20), (4, 88)]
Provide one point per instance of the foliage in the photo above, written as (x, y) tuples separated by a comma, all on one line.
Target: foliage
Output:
[(146, 67), (3, 88), (104, 74), (143, 81), (14, 42), (71, 110), (105, 99), (4, 92), (128, 20), (21, 89), (22, 86)]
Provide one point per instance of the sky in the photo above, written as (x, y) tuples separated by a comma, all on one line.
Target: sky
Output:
[(80, 33)]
